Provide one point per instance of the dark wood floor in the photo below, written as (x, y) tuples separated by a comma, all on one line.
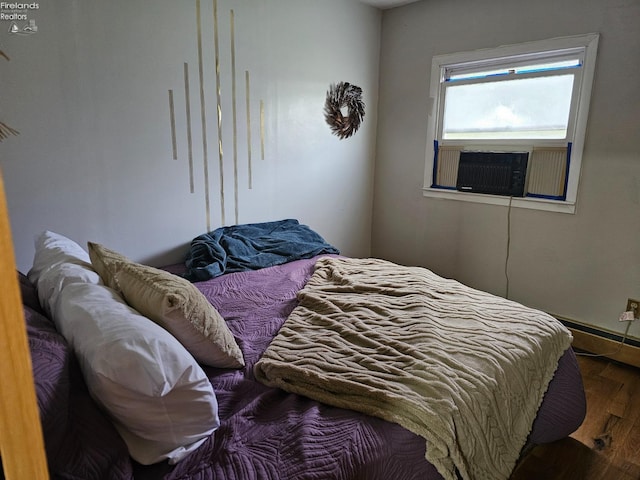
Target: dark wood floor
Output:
[(607, 445)]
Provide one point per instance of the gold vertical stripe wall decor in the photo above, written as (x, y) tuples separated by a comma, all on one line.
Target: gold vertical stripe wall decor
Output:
[(235, 111), (172, 120), (203, 117), (262, 134), (204, 62), (248, 100), (187, 102), (216, 42)]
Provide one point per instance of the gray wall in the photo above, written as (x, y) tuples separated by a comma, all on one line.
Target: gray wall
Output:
[(89, 94), (582, 266)]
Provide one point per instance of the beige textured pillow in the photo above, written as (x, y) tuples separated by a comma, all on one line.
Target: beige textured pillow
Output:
[(179, 307), (106, 262)]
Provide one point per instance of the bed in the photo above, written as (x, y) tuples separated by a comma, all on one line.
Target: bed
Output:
[(267, 425)]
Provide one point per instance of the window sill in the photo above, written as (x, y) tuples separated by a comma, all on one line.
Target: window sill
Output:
[(517, 202)]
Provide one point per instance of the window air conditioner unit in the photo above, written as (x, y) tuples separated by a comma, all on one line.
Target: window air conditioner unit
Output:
[(497, 173)]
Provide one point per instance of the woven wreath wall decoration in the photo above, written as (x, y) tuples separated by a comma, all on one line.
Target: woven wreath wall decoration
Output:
[(340, 96)]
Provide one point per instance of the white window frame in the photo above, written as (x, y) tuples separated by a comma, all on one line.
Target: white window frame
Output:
[(588, 44)]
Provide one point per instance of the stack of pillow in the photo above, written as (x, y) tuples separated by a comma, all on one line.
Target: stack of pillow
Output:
[(80, 441), (140, 335)]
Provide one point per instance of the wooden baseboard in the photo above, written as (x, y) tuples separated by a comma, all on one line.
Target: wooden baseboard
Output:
[(595, 344)]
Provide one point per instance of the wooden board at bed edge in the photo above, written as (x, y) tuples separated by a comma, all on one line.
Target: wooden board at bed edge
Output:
[(21, 441)]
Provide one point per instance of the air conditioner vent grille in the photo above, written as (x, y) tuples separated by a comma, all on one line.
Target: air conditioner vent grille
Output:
[(497, 173)]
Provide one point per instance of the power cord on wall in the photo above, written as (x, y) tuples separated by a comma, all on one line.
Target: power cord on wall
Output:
[(506, 260), (506, 275)]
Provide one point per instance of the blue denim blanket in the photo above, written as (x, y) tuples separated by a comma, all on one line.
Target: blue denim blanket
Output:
[(252, 246)]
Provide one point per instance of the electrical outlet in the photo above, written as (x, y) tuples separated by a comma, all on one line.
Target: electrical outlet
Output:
[(633, 306)]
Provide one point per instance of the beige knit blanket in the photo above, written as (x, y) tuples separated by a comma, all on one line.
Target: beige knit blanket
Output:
[(462, 368)]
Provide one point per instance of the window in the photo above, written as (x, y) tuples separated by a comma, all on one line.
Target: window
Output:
[(531, 100)]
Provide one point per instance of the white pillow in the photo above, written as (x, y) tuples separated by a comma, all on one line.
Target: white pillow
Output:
[(53, 249), (58, 261), (160, 399)]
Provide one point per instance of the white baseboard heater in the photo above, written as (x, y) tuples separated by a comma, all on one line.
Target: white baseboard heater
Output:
[(602, 343)]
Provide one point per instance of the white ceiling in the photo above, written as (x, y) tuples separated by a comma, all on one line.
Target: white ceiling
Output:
[(384, 4)]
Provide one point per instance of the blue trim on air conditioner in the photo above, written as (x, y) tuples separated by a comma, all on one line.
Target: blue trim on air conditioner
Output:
[(566, 176), (434, 174), (547, 197)]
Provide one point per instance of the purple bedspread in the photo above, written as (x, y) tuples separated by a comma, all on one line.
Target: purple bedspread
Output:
[(266, 433)]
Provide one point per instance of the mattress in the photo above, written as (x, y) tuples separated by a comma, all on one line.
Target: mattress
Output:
[(266, 433)]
